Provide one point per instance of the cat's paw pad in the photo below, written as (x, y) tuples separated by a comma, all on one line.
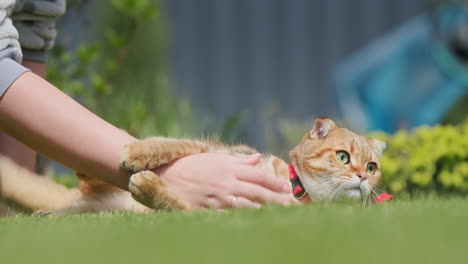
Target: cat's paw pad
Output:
[(142, 185), (134, 158), (43, 213), (148, 189)]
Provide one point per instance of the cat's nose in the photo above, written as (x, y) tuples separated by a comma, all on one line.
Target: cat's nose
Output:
[(362, 176)]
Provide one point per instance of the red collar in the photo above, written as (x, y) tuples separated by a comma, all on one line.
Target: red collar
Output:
[(383, 197), (301, 194), (298, 189)]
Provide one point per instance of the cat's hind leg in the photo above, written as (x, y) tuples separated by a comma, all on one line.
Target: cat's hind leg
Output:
[(31, 191), (147, 188), (153, 152)]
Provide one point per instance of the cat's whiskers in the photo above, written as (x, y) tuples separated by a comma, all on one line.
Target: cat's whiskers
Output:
[(344, 181), (335, 192), (373, 193), (316, 187), (379, 190), (335, 188), (364, 200), (322, 195), (369, 198)]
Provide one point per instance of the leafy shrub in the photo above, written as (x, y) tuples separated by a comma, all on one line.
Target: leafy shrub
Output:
[(120, 73), (426, 160)]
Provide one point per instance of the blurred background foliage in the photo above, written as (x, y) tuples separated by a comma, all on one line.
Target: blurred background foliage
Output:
[(120, 73)]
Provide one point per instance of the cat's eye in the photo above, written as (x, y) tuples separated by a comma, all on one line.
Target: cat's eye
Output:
[(371, 167), (342, 156)]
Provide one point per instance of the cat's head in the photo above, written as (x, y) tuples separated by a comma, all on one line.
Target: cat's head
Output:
[(335, 163)]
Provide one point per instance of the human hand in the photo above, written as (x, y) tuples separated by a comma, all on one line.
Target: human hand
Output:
[(219, 181)]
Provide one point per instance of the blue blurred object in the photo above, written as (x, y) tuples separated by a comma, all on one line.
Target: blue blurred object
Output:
[(407, 78)]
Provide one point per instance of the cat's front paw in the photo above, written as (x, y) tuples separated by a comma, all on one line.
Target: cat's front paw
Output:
[(148, 189), (135, 157), (141, 186)]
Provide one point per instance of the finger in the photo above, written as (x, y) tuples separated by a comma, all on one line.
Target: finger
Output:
[(214, 203), (250, 159), (262, 178), (257, 193), (241, 202)]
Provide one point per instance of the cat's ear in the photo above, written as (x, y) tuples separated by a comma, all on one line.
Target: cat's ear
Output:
[(379, 146), (322, 126)]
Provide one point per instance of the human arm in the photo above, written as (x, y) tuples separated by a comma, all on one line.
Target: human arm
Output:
[(9, 146), (31, 26), (47, 120)]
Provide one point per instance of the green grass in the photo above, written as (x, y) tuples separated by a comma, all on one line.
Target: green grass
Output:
[(422, 231)]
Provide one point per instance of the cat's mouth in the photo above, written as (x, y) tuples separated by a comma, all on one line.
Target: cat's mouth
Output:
[(358, 192)]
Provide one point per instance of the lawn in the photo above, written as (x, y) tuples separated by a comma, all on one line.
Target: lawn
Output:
[(421, 231)]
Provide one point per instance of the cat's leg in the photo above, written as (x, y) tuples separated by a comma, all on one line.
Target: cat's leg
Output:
[(147, 188), (31, 191), (153, 152)]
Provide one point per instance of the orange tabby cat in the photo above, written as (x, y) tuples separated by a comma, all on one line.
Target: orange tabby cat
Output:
[(331, 163)]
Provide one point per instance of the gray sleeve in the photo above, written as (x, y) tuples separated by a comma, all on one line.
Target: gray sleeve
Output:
[(10, 51), (10, 70), (35, 22), (8, 33)]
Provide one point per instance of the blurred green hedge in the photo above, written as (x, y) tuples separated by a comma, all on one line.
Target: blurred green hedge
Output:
[(426, 160)]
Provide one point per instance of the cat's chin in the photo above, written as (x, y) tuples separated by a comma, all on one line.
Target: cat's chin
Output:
[(358, 194), (354, 194)]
